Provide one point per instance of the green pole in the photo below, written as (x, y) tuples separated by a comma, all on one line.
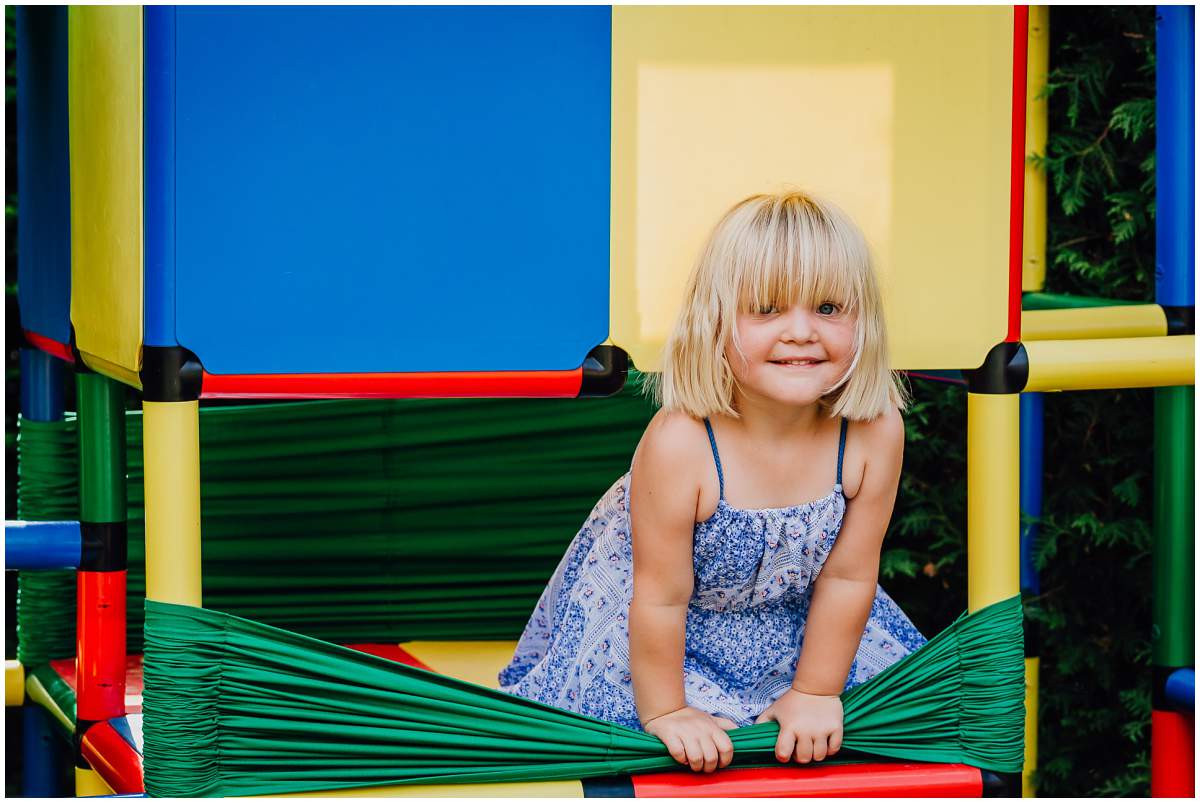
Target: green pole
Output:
[(1174, 514), (101, 404)]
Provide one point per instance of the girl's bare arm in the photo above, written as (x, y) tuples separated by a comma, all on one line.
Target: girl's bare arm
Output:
[(663, 494), (845, 588)]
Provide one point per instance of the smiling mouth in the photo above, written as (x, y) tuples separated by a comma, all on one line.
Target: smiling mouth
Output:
[(796, 363)]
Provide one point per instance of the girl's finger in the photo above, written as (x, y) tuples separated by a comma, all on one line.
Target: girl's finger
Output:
[(820, 748), (804, 749), (711, 755), (726, 724), (835, 741), (785, 745), (675, 748), (765, 716), (724, 748), (695, 753)]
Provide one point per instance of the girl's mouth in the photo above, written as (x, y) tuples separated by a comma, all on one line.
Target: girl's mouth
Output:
[(796, 363)]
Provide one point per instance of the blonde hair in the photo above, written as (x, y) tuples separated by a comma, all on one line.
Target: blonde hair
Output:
[(777, 250)]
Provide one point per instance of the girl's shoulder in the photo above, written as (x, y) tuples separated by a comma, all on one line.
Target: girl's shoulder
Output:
[(672, 437), (877, 441)]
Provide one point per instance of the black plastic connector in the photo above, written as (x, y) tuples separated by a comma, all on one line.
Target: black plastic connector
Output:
[(170, 374), (81, 728), (1180, 320), (608, 786), (105, 547), (80, 366), (1158, 687), (1005, 370), (1001, 784), (604, 372)]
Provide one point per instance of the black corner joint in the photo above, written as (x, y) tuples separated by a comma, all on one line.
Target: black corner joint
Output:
[(609, 786), (80, 366), (1180, 320), (1001, 784), (81, 728), (604, 372), (1158, 688), (170, 374), (1005, 370), (104, 547)]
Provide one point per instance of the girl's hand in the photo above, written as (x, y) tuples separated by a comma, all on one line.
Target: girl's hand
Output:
[(810, 725), (694, 737)]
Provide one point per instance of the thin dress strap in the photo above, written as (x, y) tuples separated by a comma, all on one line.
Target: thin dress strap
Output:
[(717, 457), (841, 450)]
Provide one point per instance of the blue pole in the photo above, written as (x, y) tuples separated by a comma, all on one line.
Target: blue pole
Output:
[(1032, 417), (39, 771), (1175, 200), (41, 386)]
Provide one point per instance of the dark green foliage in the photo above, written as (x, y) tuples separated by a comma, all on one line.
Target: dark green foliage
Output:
[(1094, 553)]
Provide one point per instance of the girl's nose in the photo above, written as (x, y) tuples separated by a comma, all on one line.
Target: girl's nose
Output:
[(800, 324)]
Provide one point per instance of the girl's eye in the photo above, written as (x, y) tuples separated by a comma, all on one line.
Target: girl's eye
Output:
[(828, 308), (766, 309)]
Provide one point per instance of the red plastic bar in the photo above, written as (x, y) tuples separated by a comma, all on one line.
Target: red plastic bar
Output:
[(392, 652), (110, 755), (849, 780), (51, 347), (1172, 754), (511, 384), (100, 646), (1016, 203)]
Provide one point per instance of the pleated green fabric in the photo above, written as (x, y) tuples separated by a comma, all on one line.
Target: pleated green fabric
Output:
[(381, 520), (47, 490), (234, 707)]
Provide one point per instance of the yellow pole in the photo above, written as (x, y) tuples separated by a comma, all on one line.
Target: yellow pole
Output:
[(172, 466), (1134, 362), (14, 683), (993, 498), (88, 783), (1037, 60), (1092, 323), (1031, 731)]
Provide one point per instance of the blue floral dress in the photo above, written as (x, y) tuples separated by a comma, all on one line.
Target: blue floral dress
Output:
[(754, 574)]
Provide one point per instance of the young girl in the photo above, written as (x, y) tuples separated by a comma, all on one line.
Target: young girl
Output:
[(703, 593)]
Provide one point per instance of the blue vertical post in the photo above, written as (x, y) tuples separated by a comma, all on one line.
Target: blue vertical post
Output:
[(1175, 200), (41, 400), (1032, 419)]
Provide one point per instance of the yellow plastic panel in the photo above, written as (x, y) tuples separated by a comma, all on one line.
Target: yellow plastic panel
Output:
[(105, 106), (902, 116), (1028, 788), (36, 693), (518, 790), (474, 661), (88, 783), (993, 498)]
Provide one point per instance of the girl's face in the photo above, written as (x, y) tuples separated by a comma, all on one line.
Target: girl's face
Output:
[(792, 356)]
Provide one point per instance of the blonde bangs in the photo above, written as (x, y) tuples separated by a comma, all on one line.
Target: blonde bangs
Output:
[(776, 251)]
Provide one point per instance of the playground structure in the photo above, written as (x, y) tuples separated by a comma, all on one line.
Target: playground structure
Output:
[(162, 140)]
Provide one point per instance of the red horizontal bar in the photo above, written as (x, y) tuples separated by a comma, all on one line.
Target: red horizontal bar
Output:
[(847, 780), (460, 384), (392, 652), (51, 347), (110, 755)]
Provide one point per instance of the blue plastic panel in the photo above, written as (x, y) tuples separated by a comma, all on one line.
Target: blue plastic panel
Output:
[(43, 173), (389, 189)]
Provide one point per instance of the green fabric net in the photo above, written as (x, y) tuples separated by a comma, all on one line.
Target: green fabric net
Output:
[(47, 490), (377, 520), (234, 707)]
